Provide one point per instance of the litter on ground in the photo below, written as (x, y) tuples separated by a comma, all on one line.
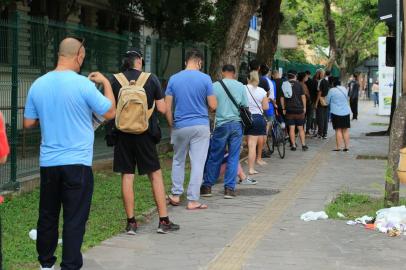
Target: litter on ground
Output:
[(391, 221), (311, 216), (33, 235)]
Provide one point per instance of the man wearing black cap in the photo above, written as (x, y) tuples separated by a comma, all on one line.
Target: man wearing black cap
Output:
[(139, 150)]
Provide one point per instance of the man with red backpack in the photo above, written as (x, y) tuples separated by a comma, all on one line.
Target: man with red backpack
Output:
[(138, 94)]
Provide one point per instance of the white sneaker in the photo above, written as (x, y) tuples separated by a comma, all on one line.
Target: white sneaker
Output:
[(248, 181), (47, 268)]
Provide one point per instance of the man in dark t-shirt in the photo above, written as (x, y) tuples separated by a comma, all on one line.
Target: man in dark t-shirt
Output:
[(353, 93), (139, 150), (322, 109), (294, 109)]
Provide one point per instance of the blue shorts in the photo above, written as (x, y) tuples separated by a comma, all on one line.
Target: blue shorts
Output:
[(258, 127)]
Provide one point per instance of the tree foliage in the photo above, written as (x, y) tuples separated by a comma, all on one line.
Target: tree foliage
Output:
[(177, 20), (356, 22)]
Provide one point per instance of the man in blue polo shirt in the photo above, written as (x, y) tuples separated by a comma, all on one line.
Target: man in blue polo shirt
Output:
[(63, 102), (191, 93)]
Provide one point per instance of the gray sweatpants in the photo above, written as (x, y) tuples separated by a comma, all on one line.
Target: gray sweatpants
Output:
[(196, 140)]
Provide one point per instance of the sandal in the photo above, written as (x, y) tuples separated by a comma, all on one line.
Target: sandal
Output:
[(172, 202), (199, 207)]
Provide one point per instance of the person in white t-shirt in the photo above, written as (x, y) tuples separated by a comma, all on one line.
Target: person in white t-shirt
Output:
[(257, 102)]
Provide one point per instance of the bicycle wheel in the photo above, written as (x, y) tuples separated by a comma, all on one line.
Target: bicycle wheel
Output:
[(269, 142), (280, 143)]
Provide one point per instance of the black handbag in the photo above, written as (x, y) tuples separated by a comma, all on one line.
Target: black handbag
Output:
[(245, 113)]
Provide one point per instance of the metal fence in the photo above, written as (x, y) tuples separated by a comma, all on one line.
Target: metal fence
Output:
[(302, 67), (28, 49)]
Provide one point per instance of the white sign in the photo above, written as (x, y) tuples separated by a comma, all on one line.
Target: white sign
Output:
[(386, 83), (287, 41)]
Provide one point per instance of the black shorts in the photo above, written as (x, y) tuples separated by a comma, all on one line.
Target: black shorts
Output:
[(339, 121), (295, 122), (133, 151)]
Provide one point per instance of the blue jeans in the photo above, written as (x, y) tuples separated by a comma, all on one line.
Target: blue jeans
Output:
[(229, 134)]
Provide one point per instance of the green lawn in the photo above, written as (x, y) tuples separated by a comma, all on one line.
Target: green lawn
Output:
[(355, 205), (107, 218)]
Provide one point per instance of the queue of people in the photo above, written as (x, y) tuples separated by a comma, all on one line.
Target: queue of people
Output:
[(64, 105)]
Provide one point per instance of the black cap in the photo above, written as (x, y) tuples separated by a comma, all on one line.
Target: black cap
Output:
[(134, 52)]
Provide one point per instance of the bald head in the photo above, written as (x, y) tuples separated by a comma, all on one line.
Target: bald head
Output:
[(69, 47), (71, 55)]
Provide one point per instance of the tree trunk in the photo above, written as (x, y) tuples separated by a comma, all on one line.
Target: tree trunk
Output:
[(331, 29), (397, 138), (234, 38), (268, 37)]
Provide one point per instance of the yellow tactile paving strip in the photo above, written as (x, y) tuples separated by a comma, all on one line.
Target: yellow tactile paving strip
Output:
[(233, 256)]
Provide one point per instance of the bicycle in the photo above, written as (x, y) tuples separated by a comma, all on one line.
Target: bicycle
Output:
[(276, 138)]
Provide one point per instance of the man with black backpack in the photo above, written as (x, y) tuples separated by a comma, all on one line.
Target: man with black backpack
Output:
[(138, 94), (230, 94)]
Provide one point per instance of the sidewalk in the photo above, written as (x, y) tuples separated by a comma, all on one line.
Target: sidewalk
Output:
[(261, 228)]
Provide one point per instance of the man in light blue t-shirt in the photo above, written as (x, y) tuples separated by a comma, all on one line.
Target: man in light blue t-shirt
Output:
[(228, 132), (190, 92), (63, 103)]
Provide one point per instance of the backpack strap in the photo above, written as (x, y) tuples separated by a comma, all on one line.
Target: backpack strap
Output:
[(142, 79), (122, 79)]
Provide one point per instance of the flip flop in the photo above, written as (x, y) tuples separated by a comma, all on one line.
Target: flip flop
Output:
[(199, 207), (171, 201), (255, 172), (336, 150)]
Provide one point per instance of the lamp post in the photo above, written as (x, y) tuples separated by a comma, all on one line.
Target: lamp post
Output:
[(398, 69)]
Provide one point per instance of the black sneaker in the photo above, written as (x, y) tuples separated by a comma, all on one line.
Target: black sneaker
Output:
[(205, 191), (131, 228), (305, 147), (293, 148), (324, 137), (165, 227), (229, 193)]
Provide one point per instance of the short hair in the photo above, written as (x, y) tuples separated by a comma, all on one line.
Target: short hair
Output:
[(127, 63), (228, 68), (253, 78), (292, 74), (308, 72), (336, 81), (355, 75), (254, 65), (328, 72), (301, 76), (194, 54), (264, 69)]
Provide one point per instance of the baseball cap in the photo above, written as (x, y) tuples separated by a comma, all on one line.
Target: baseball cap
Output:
[(134, 52)]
